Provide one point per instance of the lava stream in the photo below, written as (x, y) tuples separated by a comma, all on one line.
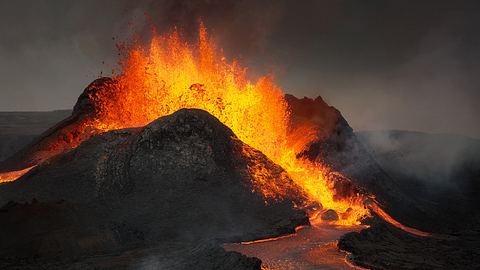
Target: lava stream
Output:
[(13, 175), (381, 213), (311, 247)]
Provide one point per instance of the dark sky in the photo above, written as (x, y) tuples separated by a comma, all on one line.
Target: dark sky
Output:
[(402, 64)]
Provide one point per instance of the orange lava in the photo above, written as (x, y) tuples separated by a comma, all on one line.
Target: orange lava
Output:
[(311, 247), (273, 238), (379, 211), (13, 175)]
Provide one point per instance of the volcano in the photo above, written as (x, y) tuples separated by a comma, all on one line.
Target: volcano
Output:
[(180, 154), (173, 74)]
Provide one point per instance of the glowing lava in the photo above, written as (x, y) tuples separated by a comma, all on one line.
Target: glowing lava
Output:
[(13, 175), (311, 247)]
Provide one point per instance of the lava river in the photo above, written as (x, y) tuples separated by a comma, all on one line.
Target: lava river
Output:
[(311, 247)]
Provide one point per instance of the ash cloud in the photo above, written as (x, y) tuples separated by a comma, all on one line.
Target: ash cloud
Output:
[(384, 64)]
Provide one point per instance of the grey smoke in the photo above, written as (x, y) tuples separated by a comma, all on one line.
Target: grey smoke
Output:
[(434, 160), (384, 64)]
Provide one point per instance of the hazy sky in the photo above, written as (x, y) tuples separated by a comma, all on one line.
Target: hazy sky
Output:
[(384, 64)]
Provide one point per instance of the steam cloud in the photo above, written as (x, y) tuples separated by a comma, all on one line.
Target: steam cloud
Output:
[(385, 64)]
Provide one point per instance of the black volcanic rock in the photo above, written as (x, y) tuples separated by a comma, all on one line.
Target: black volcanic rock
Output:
[(53, 230), (164, 256), (184, 177), (384, 247)]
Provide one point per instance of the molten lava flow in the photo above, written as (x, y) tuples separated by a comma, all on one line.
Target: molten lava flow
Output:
[(14, 175), (311, 247), (380, 212), (172, 74)]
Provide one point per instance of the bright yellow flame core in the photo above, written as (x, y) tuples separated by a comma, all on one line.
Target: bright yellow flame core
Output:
[(172, 74)]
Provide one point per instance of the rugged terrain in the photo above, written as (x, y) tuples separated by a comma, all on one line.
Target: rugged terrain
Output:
[(183, 179), (384, 247), (425, 181)]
